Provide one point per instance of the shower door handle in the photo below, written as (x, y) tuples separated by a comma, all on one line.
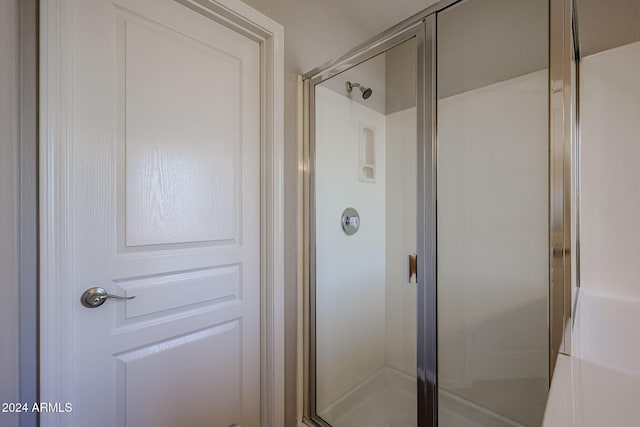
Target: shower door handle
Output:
[(413, 268)]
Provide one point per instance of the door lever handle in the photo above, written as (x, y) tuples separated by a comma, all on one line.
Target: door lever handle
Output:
[(95, 297)]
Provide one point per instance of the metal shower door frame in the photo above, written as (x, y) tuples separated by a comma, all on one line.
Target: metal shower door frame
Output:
[(562, 178), (423, 30)]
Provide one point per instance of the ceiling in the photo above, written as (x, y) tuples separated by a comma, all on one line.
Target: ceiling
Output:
[(377, 16)]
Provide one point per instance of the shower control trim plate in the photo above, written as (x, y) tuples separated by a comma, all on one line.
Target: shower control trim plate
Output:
[(350, 221)]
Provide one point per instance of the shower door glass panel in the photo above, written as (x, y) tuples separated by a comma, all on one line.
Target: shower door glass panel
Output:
[(492, 213), (365, 229)]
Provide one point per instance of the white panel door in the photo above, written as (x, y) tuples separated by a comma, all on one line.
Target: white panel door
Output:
[(165, 207)]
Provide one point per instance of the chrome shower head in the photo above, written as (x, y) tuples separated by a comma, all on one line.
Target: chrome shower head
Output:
[(366, 91)]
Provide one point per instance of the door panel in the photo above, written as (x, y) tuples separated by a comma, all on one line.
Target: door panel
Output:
[(192, 391), (165, 207), (493, 211), (205, 287), (175, 195), (363, 296)]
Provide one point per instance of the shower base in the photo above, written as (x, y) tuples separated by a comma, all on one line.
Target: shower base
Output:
[(385, 399), (388, 399), (520, 401), (454, 411)]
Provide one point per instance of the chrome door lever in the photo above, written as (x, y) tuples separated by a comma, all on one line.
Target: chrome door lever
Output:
[(95, 297)]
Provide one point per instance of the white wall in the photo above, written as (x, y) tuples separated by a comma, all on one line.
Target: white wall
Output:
[(350, 270), (9, 143), (493, 232), (400, 236), (610, 172)]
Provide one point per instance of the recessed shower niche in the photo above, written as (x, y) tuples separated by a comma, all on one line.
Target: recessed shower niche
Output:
[(367, 158)]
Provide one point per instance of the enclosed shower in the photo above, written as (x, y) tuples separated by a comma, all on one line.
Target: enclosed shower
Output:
[(432, 221)]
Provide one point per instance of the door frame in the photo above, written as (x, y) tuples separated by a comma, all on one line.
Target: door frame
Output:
[(55, 134)]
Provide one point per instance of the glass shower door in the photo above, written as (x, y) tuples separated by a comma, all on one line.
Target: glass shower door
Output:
[(363, 298), (493, 256)]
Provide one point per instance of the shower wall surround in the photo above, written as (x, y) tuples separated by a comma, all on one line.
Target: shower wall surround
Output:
[(400, 233), (351, 282), (492, 246), (369, 320), (492, 197), (610, 194)]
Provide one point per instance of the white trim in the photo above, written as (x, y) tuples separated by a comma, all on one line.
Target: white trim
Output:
[(55, 221), (300, 259), (55, 127)]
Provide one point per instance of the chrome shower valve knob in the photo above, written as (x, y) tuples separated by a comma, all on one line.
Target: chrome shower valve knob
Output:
[(350, 221)]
